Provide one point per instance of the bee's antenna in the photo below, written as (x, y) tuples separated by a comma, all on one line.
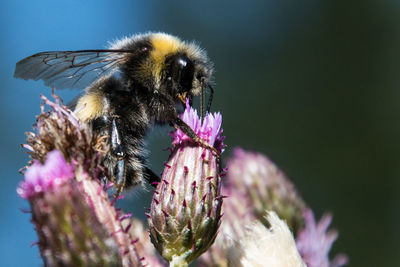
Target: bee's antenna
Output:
[(202, 114), (210, 98)]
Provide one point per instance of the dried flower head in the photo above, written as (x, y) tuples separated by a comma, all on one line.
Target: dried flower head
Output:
[(186, 208), (59, 129), (76, 223)]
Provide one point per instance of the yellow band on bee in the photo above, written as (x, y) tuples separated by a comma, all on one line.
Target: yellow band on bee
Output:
[(89, 107)]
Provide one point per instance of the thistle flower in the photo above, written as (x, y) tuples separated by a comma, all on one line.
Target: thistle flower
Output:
[(315, 241), (44, 178), (76, 223), (186, 208), (254, 184), (258, 180), (143, 244), (59, 129), (236, 218), (262, 246)]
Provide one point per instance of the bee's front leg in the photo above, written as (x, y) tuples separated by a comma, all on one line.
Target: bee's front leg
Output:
[(118, 150), (180, 124)]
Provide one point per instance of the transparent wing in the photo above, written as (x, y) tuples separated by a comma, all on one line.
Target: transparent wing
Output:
[(69, 69)]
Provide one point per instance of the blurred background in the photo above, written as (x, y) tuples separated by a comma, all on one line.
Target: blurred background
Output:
[(314, 85)]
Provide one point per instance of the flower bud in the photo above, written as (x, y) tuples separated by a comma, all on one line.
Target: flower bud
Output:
[(186, 208)]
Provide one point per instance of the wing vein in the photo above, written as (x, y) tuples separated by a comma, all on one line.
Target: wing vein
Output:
[(70, 69)]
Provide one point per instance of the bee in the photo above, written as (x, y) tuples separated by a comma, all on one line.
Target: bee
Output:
[(139, 82)]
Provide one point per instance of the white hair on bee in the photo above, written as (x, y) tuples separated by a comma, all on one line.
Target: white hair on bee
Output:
[(260, 246), (118, 43), (192, 47)]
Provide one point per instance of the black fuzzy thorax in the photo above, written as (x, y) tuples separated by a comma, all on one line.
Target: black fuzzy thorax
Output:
[(135, 111)]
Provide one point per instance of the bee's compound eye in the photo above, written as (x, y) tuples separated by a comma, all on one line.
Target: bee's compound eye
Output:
[(180, 71), (187, 73), (182, 63)]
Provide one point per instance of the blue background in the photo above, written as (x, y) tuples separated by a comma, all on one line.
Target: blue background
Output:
[(313, 84)]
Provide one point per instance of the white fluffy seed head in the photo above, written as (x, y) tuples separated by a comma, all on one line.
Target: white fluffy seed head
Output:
[(260, 246)]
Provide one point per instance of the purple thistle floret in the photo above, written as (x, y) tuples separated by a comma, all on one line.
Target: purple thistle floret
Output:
[(209, 130), (315, 241), (186, 208), (41, 178)]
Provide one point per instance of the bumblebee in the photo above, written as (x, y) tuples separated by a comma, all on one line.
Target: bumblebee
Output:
[(138, 82)]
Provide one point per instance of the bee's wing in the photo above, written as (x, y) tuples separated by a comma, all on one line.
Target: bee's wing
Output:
[(69, 69)]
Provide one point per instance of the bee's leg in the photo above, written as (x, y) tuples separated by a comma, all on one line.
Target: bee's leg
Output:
[(118, 151), (210, 98), (117, 148), (202, 114), (151, 177), (180, 124), (120, 176)]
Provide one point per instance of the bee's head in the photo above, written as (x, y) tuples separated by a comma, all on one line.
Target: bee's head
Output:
[(185, 76), (171, 66)]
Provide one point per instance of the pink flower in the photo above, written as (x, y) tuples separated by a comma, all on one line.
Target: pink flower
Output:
[(76, 223), (186, 208), (41, 178)]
